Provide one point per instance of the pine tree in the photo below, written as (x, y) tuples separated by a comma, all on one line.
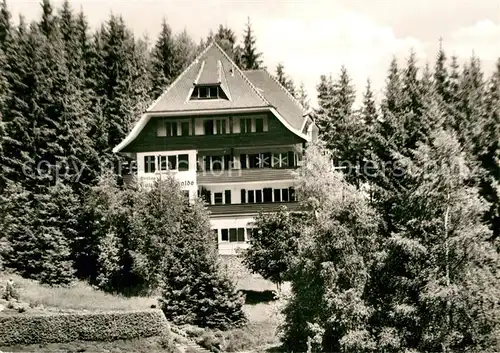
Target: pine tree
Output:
[(5, 25), (226, 39), (436, 283), (19, 142), (441, 76), (163, 60), (195, 289), (48, 23), (302, 97), (369, 118), (118, 77), (250, 58), (284, 80), (185, 52), (489, 152)]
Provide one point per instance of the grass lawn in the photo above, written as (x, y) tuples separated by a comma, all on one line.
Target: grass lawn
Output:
[(80, 296), (260, 307)]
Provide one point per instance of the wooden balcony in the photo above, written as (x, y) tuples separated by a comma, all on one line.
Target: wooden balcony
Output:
[(244, 175), (250, 208)]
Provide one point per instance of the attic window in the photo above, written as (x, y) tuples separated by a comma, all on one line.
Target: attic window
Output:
[(208, 92)]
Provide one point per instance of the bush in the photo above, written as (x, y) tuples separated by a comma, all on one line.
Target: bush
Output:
[(48, 328)]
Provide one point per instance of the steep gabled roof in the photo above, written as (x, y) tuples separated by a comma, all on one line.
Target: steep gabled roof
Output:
[(212, 66), (278, 96)]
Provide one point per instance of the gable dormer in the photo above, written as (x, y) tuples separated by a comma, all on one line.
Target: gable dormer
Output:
[(210, 82)]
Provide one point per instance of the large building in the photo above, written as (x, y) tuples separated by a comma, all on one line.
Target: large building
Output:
[(233, 137)]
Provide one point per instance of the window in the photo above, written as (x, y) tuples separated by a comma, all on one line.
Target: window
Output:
[(163, 164), (291, 159), (171, 128), (243, 161), (243, 196), (183, 162), (180, 162), (291, 190), (259, 125), (185, 128), (218, 198), (253, 160), (149, 164), (265, 160), (217, 162), (172, 162), (258, 196), (208, 126), (227, 196), (233, 235), (245, 125), (250, 233), (285, 195), (161, 128), (208, 92), (251, 196), (236, 234), (241, 234), (224, 234), (280, 160), (277, 195), (216, 235), (206, 195), (220, 126), (268, 194)]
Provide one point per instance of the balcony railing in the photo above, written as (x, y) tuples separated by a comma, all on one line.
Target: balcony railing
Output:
[(251, 208), (244, 175)]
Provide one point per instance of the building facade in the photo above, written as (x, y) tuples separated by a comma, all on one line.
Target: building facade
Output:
[(232, 137)]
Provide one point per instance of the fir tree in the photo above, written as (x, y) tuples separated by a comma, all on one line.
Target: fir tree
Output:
[(163, 60), (436, 283), (302, 97), (489, 152), (5, 24), (195, 289), (185, 52), (48, 23), (250, 58), (284, 80), (441, 76)]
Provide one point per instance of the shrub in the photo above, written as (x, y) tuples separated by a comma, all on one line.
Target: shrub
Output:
[(47, 328)]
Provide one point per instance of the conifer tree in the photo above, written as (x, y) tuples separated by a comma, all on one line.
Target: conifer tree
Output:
[(302, 96), (48, 23), (369, 118), (441, 76), (195, 289), (250, 58), (185, 52), (284, 80), (5, 24), (436, 282), (489, 152), (19, 142), (163, 60)]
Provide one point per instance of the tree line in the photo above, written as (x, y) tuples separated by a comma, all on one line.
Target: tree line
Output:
[(397, 247)]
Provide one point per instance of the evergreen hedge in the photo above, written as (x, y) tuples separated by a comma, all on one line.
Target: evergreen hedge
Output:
[(62, 327)]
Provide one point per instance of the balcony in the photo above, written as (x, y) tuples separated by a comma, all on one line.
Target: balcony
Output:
[(250, 208), (243, 175)]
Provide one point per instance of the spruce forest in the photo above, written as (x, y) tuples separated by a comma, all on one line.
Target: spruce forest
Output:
[(400, 252)]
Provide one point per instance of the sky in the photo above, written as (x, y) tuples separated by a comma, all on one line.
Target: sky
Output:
[(317, 37)]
